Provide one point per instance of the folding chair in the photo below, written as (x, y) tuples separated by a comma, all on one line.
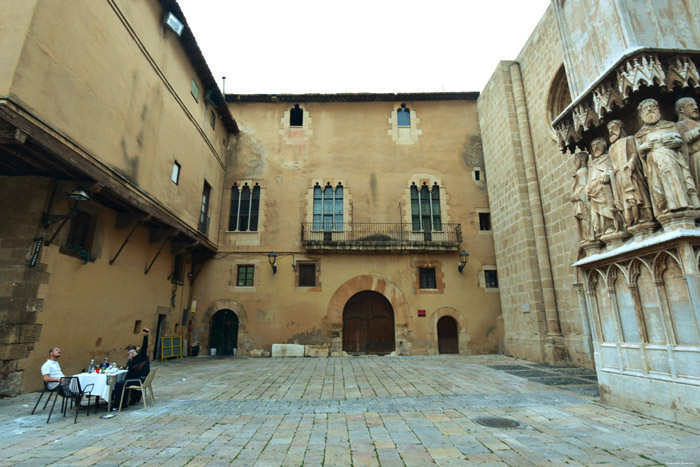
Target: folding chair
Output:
[(143, 386), (52, 392)]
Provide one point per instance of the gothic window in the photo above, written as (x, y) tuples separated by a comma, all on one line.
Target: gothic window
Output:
[(425, 208), (403, 116), (296, 116), (245, 205), (328, 208)]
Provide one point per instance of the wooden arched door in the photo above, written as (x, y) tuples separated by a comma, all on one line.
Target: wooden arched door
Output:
[(223, 332), (448, 341), (368, 325)]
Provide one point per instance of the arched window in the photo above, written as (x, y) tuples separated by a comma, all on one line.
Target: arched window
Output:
[(403, 116), (425, 208), (296, 116), (245, 205), (328, 208)]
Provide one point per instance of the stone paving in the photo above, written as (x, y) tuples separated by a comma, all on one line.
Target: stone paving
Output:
[(390, 411)]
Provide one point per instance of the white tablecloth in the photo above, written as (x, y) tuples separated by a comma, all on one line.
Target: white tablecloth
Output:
[(99, 380)]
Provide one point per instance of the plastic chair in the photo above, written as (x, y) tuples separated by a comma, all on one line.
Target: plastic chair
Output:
[(46, 389), (143, 386), (69, 390)]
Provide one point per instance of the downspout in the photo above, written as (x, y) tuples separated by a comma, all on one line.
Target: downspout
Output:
[(533, 189)]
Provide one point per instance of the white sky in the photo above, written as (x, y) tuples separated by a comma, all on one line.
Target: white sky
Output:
[(326, 46)]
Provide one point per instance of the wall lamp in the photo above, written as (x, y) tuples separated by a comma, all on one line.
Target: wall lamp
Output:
[(463, 260), (77, 195), (272, 257)]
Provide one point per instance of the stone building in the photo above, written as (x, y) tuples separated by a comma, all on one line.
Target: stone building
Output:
[(132, 198), (367, 201), (111, 132), (617, 286)]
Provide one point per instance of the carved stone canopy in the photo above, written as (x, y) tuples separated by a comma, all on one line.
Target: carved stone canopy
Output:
[(664, 75)]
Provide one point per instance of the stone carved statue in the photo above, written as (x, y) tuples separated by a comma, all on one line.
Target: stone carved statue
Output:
[(629, 187), (604, 218), (659, 144), (582, 211), (689, 127)]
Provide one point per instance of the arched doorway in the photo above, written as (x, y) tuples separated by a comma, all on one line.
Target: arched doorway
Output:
[(223, 332), (447, 335), (368, 324)]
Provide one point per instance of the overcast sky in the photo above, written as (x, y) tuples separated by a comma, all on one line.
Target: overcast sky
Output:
[(325, 46)]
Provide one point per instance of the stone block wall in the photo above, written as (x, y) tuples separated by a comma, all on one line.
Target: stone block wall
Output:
[(519, 187), (21, 206)]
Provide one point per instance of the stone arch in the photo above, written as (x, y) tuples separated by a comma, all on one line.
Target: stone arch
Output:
[(431, 336), (334, 316), (201, 332)]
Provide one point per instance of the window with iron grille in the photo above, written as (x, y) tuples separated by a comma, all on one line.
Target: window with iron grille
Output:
[(425, 208), (427, 278), (491, 279), (484, 221), (328, 208), (403, 116), (245, 276), (307, 274), (204, 210), (245, 205)]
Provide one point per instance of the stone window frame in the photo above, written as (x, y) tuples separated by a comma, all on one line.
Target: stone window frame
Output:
[(439, 277), (297, 268), (482, 278), (295, 135), (334, 182), (404, 134), (477, 220), (234, 275), (430, 180), (558, 98)]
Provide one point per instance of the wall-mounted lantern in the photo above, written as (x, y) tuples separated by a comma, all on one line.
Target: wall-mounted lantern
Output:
[(463, 260), (77, 195), (272, 257)]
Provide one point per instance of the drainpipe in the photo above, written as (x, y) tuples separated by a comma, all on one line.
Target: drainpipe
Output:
[(533, 189)]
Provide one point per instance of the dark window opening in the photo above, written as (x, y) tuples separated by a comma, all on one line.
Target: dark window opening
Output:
[(427, 278), (484, 221), (491, 279), (296, 116), (403, 115), (178, 275), (245, 276), (212, 120), (81, 231), (477, 175), (307, 275), (204, 210)]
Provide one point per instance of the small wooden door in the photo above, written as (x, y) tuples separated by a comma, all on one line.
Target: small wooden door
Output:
[(368, 325), (223, 332), (447, 335)]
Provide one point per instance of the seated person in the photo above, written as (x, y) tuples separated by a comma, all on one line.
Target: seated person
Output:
[(138, 367), (51, 370)]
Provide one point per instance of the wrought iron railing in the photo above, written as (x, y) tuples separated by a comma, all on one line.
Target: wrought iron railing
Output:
[(379, 236)]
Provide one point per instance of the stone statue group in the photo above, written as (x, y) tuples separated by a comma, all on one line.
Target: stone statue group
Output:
[(651, 176)]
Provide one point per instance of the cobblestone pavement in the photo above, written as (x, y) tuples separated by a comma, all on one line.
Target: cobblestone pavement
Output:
[(386, 411)]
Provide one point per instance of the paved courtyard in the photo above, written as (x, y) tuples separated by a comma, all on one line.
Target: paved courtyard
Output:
[(412, 411)]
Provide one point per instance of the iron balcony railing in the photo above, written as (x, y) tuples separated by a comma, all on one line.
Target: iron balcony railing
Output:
[(358, 236)]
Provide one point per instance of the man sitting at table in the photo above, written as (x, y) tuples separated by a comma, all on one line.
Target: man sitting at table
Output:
[(137, 367), (51, 370)]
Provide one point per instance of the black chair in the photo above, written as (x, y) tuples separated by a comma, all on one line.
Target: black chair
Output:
[(46, 389), (71, 395)]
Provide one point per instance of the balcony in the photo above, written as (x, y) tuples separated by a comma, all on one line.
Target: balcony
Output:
[(395, 238)]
